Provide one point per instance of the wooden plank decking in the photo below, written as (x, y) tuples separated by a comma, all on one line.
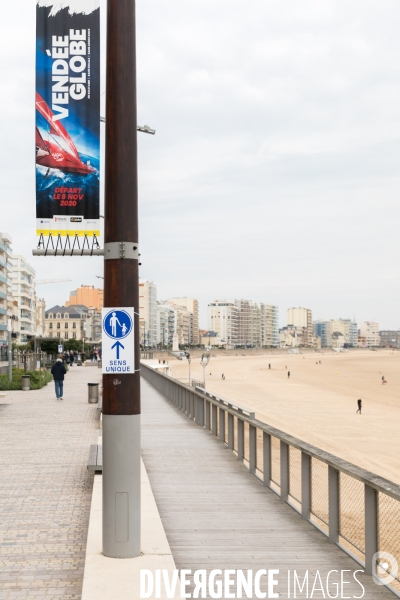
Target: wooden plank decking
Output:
[(218, 516)]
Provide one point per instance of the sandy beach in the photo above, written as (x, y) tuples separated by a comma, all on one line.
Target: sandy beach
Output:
[(318, 403)]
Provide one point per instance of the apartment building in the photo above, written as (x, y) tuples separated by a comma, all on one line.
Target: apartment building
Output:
[(24, 292), (370, 331), (301, 317), (192, 306), (87, 295), (389, 338), (335, 330), (148, 313), (66, 322), (249, 323), (223, 318), (7, 308), (269, 325)]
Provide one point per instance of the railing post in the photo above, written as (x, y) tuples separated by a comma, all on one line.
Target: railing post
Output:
[(267, 458), (230, 431), (214, 420), (240, 439), (252, 448), (208, 416), (199, 411), (284, 470), (222, 424), (191, 396), (305, 485), (371, 527), (333, 485)]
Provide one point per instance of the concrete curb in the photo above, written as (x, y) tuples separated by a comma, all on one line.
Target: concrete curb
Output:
[(111, 578)]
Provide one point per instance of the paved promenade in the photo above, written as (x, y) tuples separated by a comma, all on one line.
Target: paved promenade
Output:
[(218, 516), (45, 488)]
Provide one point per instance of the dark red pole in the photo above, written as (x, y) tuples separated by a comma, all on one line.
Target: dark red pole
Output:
[(121, 392)]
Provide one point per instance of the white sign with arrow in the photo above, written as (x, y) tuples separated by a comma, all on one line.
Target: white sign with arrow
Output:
[(118, 340)]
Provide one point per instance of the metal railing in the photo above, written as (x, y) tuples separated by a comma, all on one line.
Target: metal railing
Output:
[(357, 510)]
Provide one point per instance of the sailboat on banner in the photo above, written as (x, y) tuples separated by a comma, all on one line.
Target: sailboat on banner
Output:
[(54, 154)]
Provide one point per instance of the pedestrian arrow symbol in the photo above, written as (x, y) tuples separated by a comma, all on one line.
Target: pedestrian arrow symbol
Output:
[(117, 346)]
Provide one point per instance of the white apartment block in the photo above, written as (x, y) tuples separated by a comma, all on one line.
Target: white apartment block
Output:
[(148, 313), (24, 292), (269, 325), (192, 306), (244, 323), (370, 331), (7, 308), (301, 317), (222, 317)]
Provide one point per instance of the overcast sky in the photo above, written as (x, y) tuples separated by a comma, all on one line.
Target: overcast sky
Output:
[(274, 174)]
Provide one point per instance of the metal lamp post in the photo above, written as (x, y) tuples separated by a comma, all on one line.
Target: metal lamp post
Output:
[(189, 361), (205, 359)]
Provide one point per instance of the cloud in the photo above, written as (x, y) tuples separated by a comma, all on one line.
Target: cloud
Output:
[(273, 174)]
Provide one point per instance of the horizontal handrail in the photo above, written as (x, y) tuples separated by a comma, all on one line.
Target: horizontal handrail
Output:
[(233, 405)]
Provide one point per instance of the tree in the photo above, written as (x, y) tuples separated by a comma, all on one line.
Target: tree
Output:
[(49, 346)]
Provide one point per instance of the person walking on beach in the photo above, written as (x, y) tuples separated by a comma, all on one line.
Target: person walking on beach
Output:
[(269, 366), (223, 376), (288, 374), (58, 371), (359, 403)]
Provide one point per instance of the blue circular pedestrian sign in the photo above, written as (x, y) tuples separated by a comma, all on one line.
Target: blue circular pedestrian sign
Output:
[(117, 324)]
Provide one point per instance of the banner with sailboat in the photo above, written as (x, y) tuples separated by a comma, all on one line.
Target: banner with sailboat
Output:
[(67, 117)]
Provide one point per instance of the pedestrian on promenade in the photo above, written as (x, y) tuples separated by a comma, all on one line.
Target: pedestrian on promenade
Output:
[(223, 376), (58, 371), (91, 356), (100, 353), (71, 358), (383, 380), (359, 403), (288, 374), (269, 366)]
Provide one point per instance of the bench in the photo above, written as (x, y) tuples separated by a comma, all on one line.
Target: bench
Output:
[(95, 462)]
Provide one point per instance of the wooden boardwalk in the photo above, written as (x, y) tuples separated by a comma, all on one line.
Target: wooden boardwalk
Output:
[(218, 516)]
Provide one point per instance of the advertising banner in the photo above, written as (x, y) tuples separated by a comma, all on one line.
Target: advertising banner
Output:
[(67, 117)]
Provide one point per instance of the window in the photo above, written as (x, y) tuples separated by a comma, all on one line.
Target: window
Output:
[(50, 315), (74, 325), (74, 335), (66, 335), (58, 315), (66, 325), (58, 325), (66, 315), (46, 316), (50, 325), (58, 334)]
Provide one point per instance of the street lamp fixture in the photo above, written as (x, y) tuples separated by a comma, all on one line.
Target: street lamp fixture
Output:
[(142, 128), (189, 361), (205, 359)]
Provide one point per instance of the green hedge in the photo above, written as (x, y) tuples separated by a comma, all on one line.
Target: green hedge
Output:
[(38, 379)]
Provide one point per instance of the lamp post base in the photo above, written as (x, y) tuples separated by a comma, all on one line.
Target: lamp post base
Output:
[(121, 486)]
